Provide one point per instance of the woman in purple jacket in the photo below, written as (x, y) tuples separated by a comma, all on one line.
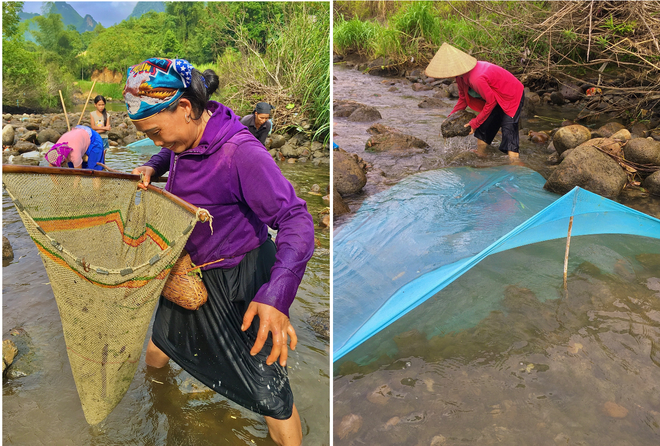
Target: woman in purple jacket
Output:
[(233, 341)]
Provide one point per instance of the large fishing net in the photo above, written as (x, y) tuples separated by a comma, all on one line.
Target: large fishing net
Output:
[(409, 242), (108, 249)]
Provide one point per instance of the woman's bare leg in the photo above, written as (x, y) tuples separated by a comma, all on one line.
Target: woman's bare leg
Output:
[(155, 356), (286, 432)]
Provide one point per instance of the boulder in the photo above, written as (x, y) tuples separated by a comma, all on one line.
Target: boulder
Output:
[(609, 145), (589, 169), (343, 109), (7, 250), (58, 123), (338, 206), (570, 92), (30, 136), (441, 93), (622, 135), (538, 137), (365, 113), (348, 176), (532, 97), (570, 137), (387, 139), (453, 90), (432, 103), (48, 134), (652, 183), (643, 151), (290, 150), (25, 146), (557, 98), (9, 352), (610, 129), (32, 126), (277, 141), (8, 135), (639, 130), (454, 125)]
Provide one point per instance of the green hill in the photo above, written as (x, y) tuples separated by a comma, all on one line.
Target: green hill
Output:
[(144, 7), (69, 17)]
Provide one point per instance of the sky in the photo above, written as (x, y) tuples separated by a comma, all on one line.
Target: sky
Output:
[(106, 13)]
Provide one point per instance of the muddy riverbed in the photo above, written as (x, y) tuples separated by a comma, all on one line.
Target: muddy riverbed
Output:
[(399, 110), (163, 407)]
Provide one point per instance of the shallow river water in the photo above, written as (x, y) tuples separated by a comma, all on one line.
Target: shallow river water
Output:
[(399, 110), (505, 354), (162, 407)]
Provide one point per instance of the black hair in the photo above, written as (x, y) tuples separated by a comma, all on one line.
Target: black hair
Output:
[(201, 87), (105, 113)]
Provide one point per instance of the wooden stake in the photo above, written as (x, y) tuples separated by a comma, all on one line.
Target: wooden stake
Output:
[(68, 126), (86, 102), (568, 244)]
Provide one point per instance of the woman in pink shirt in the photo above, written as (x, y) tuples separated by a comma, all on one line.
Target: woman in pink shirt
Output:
[(488, 89), (80, 147)]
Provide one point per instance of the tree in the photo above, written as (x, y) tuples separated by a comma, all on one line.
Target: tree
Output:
[(171, 46), (10, 19)]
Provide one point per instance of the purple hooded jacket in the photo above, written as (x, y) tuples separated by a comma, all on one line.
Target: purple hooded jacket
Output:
[(231, 175)]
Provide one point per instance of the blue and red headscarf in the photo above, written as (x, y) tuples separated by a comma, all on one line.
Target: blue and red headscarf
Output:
[(153, 85)]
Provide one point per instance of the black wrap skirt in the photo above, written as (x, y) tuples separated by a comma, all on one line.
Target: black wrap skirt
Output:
[(208, 342)]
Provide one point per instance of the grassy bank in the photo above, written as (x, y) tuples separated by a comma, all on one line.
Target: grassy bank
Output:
[(293, 73), (536, 38)]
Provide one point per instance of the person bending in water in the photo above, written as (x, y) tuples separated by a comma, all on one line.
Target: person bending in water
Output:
[(258, 122), (233, 342), (488, 89), (81, 147)]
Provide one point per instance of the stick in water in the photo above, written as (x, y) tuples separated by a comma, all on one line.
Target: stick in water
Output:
[(86, 102), (568, 244), (68, 126)]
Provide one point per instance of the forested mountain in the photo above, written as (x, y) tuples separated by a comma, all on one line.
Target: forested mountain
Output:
[(144, 7)]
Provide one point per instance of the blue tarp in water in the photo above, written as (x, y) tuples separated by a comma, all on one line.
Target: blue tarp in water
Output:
[(409, 242)]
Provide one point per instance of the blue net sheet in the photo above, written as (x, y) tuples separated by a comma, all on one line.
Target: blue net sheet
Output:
[(409, 242)]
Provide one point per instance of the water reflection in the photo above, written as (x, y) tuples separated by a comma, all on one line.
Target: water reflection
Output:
[(162, 407), (505, 355)]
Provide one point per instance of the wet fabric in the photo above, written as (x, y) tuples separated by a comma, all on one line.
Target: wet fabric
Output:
[(509, 125), (409, 242), (209, 344)]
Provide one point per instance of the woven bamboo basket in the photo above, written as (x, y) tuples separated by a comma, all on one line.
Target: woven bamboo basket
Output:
[(184, 286)]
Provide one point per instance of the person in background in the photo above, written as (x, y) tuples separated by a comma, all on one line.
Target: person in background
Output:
[(100, 120), (81, 148), (233, 342), (258, 122), (488, 89)]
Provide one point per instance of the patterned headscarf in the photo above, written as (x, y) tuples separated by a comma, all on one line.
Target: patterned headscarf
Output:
[(153, 85), (58, 153)]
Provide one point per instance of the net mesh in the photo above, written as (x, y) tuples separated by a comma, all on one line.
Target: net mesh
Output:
[(108, 249)]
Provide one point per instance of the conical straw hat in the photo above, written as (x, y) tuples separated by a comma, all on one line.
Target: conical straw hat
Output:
[(450, 62)]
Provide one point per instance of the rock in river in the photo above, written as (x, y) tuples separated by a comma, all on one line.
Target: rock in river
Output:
[(590, 169), (454, 125), (643, 151), (348, 176), (387, 139), (7, 251), (570, 137)]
